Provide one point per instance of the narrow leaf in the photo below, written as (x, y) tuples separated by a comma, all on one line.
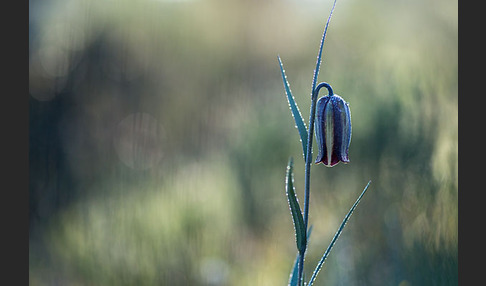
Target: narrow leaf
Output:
[(341, 227), (300, 233), (293, 280), (319, 54), (294, 274), (299, 122)]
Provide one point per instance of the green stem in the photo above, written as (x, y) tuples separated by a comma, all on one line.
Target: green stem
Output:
[(308, 162), (310, 140)]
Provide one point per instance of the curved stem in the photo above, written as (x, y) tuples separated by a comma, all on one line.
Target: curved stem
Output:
[(321, 85)]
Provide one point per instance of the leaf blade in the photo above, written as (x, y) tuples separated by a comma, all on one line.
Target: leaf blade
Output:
[(299, 122), (295, 269), (300, 232), (336, 236), (293, 275), (321, 45)]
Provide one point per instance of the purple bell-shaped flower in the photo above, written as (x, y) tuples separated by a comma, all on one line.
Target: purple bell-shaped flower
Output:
[(333, 129)]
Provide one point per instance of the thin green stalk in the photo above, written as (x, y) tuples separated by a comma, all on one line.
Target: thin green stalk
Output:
[(310, 140), (307, 177)]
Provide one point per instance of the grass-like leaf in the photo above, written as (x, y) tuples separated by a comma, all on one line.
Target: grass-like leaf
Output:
[(341, 227), (299, 122), (300, 233), (293, 279), (319, 54)]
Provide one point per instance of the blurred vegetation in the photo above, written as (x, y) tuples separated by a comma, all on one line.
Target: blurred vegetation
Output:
[(159, 136)]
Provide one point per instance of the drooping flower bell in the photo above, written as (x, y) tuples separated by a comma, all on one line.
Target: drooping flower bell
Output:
[(333, 128)]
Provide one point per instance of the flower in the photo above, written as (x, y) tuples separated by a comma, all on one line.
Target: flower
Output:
[(333, 130)]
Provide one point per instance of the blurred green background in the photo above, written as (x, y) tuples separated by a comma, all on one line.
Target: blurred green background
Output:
[(159, 136)]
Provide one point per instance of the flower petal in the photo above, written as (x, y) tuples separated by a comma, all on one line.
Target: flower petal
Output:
[(333, 130)]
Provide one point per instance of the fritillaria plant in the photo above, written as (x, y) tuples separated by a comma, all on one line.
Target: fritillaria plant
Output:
[(333, 136)]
